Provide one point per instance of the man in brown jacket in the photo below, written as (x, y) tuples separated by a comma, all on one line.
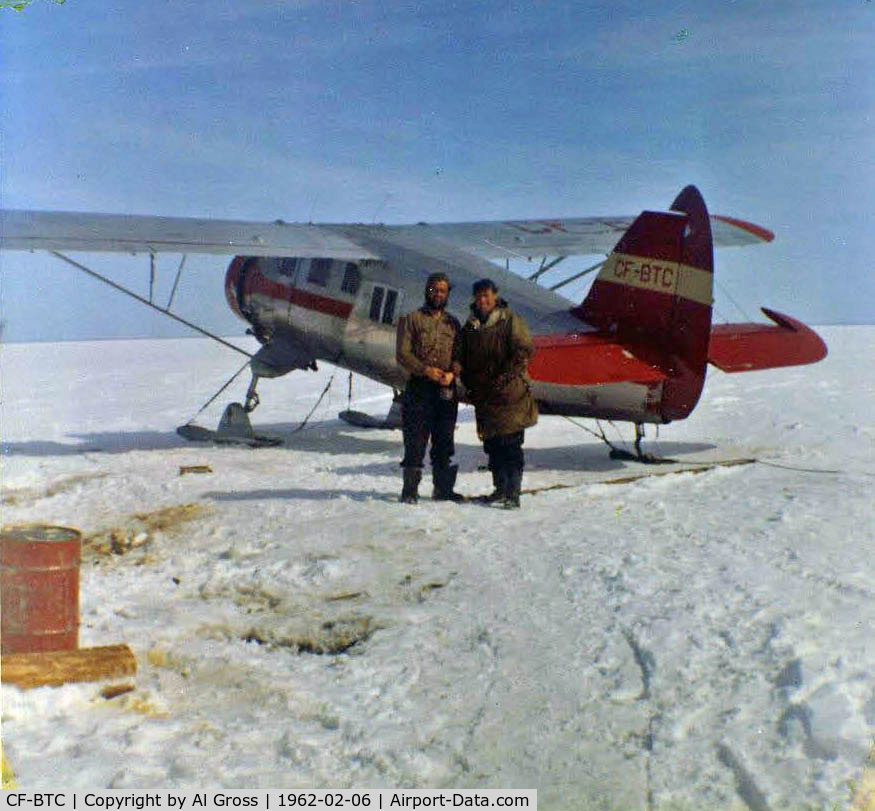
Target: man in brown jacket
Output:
[(427, 348), (496, 348)]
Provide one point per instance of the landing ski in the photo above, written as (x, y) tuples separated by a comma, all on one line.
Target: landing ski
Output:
[(234, 429)]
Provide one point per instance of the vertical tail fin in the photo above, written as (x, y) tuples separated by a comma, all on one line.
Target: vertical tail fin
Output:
[(654, 294)]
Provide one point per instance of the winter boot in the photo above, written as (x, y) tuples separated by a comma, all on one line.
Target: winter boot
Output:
[(514, 485), (410, 491), (499, 479), (444, 479)]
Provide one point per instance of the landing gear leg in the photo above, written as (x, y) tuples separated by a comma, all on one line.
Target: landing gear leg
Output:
[(639, 435), (252, 398), (639, 455)]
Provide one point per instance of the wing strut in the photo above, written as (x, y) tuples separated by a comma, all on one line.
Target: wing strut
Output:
[(151, 276), (176, 280), (148, 303), (576, 276), (545, 266)]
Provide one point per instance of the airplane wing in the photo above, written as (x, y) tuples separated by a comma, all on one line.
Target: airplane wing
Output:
[(74, 231), (566, 237)]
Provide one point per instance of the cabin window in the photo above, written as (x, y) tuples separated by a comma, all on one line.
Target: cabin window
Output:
[(288, 267), (377, 302), (389, 306), (384, 302), (351, 279), (320, 270)]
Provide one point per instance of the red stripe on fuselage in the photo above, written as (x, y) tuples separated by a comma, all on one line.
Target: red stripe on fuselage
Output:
[(320, 304), (260, 284)]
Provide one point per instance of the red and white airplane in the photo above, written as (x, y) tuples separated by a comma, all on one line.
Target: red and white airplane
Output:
[(636, 349)]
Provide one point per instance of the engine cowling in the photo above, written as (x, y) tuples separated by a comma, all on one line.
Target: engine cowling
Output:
[(234, 284)]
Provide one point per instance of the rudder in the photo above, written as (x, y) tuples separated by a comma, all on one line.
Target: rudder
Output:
[(654, 295)]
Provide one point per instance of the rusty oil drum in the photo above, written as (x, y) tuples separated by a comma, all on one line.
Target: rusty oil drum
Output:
[(39, 589)]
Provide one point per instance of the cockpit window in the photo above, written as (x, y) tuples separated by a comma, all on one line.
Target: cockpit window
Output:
[(288, 267), (351, 279), (320, 271)]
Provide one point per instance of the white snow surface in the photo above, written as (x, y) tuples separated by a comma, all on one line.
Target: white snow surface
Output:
[(683, 641)]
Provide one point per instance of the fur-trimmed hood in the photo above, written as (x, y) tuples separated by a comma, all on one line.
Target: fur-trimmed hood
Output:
[(501, 311)]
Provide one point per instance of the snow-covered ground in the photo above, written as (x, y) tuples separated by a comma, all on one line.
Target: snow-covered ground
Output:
[(685, 641)]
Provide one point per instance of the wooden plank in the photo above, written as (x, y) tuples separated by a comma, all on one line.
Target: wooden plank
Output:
[(54, 668), (183, 469)]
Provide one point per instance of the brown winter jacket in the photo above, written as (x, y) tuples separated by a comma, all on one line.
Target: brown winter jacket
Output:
[(424, 340), (494, 359)]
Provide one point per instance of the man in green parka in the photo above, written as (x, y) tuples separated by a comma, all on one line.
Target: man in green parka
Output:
[(496, 348)]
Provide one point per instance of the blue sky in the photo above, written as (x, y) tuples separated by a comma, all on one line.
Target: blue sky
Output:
[(399, 112)]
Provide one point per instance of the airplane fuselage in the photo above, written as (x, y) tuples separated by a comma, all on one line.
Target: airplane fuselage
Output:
[(345, 312)]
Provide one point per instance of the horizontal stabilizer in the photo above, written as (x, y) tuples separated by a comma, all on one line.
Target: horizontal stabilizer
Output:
[(748, 347)]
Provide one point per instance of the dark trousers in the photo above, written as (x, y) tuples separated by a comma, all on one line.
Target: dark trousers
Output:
[(505, 451), (426, 415)]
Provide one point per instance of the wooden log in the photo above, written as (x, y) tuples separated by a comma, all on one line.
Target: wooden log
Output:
[(183, 469), (54, 668), (115, 690)]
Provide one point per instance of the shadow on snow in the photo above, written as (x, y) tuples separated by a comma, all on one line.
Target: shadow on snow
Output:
[(336, 438)]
